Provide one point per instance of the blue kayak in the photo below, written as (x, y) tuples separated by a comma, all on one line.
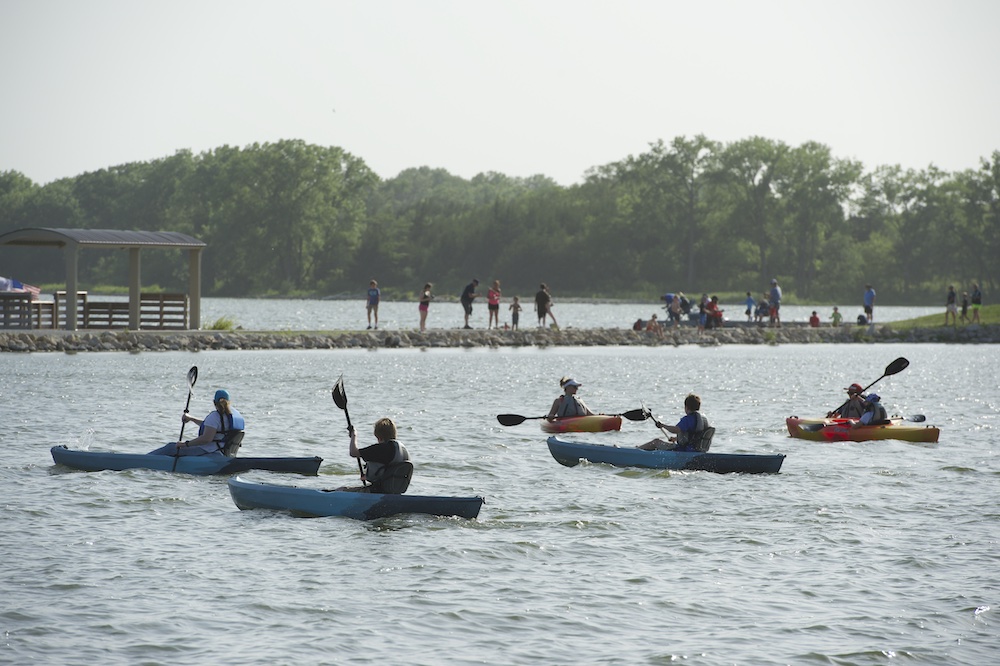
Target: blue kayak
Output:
[(571, 453), (213, 463), (314, 503)]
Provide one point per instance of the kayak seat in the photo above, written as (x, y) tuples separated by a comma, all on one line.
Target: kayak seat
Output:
[(706, 440), (394, 479), (231, 444)]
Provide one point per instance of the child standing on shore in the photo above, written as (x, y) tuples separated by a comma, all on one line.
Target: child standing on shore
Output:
[(515, 309), (836, 316)]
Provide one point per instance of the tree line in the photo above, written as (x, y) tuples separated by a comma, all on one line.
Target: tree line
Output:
[(292, 218)]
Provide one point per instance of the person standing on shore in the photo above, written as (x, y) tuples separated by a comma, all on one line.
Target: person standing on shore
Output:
[(374, 296), (468, 295), (425, 303), (750, 303), (543, 306), (836, 316), (775, 303), (951, 306), (493, 304), (869, 301), (515, 312)]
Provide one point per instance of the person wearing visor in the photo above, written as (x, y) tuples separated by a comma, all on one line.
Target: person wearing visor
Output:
[(211, 430), (853, 408), (568, 404)]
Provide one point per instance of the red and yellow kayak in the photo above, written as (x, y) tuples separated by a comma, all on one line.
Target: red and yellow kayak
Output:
[(592, 423), (844, 430)]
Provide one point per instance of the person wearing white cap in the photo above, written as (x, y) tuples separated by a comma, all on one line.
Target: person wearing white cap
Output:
[(568, 404)]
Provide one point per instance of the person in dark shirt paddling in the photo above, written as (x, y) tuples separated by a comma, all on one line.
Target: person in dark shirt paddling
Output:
[(853, 408), (687, 433), (378, 457)]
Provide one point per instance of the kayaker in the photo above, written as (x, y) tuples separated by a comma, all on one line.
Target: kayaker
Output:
[(378, 457), (688, 431), (568, 404), (853, 408), (875, 413), (211, 430)]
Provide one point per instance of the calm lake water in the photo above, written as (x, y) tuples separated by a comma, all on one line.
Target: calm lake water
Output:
[(867, 553), (305, 315)]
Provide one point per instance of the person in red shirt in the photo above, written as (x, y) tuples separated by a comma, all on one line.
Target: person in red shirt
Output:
[(814, 320)]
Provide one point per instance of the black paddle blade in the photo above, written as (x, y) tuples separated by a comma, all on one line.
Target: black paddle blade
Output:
[(192, 376), (339, 394), (511, 419), (896, 366), (636, 414), (917, 418)]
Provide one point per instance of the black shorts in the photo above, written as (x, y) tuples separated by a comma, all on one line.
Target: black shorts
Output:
[(468, 306), (494, 307)]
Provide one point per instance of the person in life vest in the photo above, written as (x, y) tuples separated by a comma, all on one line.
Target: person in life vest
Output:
[(568, 404), (688, 431), (378, 457), (875, 413), (211, 430), (853, 408)]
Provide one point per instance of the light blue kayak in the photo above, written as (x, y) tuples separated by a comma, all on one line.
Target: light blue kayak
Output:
[(213, 463), (571, 453), (314, 503)]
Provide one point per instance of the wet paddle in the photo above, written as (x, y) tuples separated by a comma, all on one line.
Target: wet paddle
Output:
[(192, 377), (340, 399), (893, 368), (517, 419)]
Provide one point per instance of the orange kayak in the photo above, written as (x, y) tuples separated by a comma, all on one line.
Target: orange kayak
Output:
[(844, 430), (592, 423)]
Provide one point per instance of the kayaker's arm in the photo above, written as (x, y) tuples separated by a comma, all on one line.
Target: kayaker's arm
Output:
[(187, 418), (206, 436), (353, 449)]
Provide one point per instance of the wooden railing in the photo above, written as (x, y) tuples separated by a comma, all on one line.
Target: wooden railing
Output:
[(156, 311)]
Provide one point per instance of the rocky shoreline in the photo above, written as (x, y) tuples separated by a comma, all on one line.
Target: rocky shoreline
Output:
[(132, 341)]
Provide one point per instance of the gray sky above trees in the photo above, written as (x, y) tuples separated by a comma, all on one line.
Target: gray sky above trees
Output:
[(549, 87)]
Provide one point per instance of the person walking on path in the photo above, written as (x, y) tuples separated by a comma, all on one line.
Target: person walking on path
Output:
[(965, 307), (977, 302), (543, 306), (951, 306), (468, 295), (374, 296), (774, 302), (869, 301), (493, 304), (425, 303)]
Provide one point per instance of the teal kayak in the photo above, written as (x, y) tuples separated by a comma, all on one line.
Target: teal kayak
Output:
[(571, 453), (312, 503), (213, 463)]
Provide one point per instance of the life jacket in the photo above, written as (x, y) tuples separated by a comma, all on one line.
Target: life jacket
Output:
[(688, 441), (235, 422), (875, 414), (852, 410), (570, 406), (374, 469)]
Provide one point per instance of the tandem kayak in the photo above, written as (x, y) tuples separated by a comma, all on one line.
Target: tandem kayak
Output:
[(592, 423), (844, 430), (312, 503), (571, 453), (212, 463)]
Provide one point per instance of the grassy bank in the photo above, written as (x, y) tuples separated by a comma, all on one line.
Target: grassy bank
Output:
[(989, 315)]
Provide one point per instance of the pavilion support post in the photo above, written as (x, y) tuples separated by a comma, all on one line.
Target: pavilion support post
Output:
[(194, 288), (134, 288), (71, 287)]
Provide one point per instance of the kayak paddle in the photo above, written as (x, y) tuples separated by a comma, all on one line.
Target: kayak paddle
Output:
[(893, 368), (340, 399), (192, 377), (517, 419)]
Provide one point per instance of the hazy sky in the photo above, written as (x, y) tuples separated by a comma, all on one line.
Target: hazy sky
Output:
[(523, 88)]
